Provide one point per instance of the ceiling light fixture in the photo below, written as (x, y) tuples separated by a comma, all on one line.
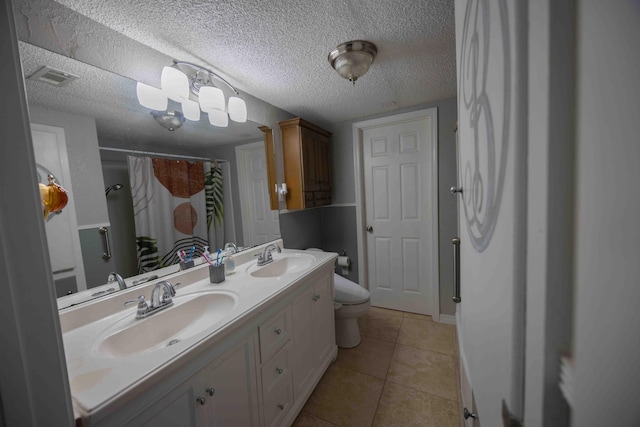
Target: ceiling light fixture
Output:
[(170, 120), (184, 80), (352, 59)]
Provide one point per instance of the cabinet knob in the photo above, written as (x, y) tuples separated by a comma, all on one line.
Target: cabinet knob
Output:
[(279, 371), (201, 400), (281, 406), (211, 391), (316, 297), (278, 331)]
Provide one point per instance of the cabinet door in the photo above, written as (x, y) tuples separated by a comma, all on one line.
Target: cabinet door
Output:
[(302, 357), (174, 410), (228, 387), (309, 162), (323, 318), (323, 162)]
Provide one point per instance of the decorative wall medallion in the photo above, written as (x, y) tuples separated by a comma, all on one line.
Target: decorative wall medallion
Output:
[(484, 105)]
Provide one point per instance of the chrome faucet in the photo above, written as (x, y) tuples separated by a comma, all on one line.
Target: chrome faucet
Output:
[(162, 293), (266, 257), (115, 277), (231, 245), (161, 298)]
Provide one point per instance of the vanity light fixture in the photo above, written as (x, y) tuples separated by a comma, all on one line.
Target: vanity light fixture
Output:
[(170, 119), (352, 59), (183, 81)]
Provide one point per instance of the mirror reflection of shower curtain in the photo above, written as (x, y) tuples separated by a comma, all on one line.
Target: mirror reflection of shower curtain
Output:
[(177, 205)]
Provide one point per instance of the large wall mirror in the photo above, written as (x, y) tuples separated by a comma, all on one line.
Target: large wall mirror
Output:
[(95, 122)]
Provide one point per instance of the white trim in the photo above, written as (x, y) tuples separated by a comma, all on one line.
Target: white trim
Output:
[(449, 319), (358, 127)]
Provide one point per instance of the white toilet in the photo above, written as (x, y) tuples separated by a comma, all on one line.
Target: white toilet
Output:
[(351, 301)]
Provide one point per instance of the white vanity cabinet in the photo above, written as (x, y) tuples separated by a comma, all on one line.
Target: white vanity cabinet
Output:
[(313, 333), (258, 370), (224, 393)]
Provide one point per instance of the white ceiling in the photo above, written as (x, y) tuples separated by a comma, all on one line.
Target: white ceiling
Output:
[(277, 50)]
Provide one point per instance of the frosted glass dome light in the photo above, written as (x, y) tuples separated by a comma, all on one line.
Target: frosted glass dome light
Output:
[(352, 59)]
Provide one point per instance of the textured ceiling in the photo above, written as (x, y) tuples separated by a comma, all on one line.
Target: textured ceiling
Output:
[(277, 50)]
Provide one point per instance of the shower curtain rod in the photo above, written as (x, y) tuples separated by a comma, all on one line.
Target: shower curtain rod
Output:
[(151, 153)]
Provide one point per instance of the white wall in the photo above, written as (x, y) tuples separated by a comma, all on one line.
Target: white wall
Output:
[(34, 387), (607, 269)]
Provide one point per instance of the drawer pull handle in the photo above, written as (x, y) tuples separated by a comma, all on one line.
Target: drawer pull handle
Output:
[(281, 406), (278, 331), (279, 371), (201, 400), (211, 391)]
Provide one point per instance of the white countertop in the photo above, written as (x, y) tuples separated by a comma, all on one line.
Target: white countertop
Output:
[(96, 378)]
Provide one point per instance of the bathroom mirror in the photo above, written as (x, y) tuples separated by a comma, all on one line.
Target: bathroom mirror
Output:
[(102, 123)]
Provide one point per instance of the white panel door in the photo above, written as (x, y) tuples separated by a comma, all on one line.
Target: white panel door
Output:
[(398, 181), (492, 172), (260, 223), (50, 150)]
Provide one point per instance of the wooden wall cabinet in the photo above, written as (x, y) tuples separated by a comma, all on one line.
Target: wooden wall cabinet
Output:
[(307, 164)]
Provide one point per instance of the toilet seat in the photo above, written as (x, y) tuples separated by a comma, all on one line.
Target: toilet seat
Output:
[(349, 293)]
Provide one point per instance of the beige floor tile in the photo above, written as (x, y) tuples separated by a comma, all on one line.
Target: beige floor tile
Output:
[(417, 316), (381, 323), (424, 370), (345, 397), (427, 335), (387, 311), (371, 357), (405, 407), (305, 419)]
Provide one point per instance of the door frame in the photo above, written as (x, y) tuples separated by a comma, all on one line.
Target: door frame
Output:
[(358, 128)]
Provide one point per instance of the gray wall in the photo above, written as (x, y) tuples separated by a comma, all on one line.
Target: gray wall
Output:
[(123, 229), (335, 227)]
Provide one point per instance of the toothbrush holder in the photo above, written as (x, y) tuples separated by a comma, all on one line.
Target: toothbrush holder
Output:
[(185, 265), (216, 273)]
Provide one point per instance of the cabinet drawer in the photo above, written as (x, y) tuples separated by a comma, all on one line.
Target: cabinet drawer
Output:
[(277, 404), (321, 198), (276, 370), (308, 199), (274, 332)]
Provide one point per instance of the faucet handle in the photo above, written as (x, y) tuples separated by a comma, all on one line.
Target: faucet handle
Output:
[(142, 303)]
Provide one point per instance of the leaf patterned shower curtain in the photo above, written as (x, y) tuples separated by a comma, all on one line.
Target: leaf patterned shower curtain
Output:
[(177, 205)]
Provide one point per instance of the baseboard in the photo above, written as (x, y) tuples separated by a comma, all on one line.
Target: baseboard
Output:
[(448, 319)]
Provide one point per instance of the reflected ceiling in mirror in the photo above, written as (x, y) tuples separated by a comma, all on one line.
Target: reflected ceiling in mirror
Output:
[(120, 119)]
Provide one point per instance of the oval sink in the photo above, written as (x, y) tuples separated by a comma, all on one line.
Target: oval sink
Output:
[(190, 315), (282, 265)]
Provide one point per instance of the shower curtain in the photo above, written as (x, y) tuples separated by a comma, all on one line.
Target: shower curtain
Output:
[(178, 205)]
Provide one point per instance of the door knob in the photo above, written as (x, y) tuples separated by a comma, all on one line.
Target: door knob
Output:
[(455, 190), (369, 229)]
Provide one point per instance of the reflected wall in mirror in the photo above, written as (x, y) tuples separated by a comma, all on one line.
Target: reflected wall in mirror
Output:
[(100, 122)]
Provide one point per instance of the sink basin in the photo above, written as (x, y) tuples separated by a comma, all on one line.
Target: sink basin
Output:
[(190, 315), (282, 265)]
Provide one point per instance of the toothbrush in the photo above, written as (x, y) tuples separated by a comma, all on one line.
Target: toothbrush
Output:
[(206, 258), (193, 248), (218, 257)]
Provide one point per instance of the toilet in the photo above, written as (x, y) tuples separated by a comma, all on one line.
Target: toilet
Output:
[(351, 301)]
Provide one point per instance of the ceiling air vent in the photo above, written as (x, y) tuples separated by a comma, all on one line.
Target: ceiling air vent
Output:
[(52, 76)]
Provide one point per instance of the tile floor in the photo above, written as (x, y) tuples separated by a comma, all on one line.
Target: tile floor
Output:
[(403, 373)]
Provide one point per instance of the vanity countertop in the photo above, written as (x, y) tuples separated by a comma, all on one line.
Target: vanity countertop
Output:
[(97, 377)]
